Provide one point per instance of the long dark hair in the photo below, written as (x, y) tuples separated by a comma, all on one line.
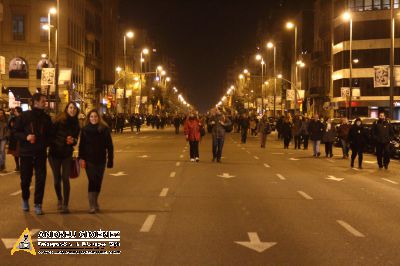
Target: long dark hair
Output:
[(62, 117), (101, 125)]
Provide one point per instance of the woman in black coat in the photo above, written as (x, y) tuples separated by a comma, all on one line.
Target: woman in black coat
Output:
[(286, 132), (358, 139), (66, 130), (95, 150), (13, 143)]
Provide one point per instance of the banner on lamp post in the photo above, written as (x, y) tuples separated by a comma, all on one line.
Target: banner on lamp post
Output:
[(48, 77), (290, 95), (64, 77), (381, 76), (128, 93), (300, 94), (120, 93)]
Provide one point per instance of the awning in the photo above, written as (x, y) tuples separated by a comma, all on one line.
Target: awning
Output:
[(21, 94)]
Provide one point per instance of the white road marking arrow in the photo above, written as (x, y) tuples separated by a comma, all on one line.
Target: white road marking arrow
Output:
[(294, 159), (8, 173), (255, 243), (10, 242), (119, 174), (331, 177), (144, 156), (226, 175)]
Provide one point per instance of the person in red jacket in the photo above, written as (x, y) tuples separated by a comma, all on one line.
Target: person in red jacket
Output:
[(192, 132)]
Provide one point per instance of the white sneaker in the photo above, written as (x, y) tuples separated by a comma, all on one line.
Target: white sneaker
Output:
[(192, 160), (197, 159)]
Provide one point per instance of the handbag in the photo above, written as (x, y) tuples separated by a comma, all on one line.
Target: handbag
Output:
[(75, 168)]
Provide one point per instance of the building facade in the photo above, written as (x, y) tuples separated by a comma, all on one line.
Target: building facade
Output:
[(85, 40)]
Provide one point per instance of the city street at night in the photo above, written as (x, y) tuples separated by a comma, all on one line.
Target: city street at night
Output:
[(256, 207)]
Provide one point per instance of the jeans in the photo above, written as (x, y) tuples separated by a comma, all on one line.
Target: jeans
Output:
[(194, 149), (328, 148), (305, 140), (61, 171), (297, 141), (218, 144), (27, 165), (345, 147), (286, 141), (3, 152), (354, 152), (263, 139), (95, 174), (244, 135), (316, 144), (176, 129), (383, 154)]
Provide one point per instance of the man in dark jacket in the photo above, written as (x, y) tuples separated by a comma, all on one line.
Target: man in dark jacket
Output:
[(34, 131), (358, 139), (177, 123), (218, 123), (316, 129), (244, 126), (343, 134), (382, 132)]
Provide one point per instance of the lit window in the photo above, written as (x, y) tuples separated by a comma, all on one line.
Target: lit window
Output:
[(43, 33)]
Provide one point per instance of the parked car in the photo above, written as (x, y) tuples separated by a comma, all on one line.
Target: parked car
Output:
[(395, 143)]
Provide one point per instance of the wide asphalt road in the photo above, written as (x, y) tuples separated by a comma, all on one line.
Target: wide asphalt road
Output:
[(258, 207)]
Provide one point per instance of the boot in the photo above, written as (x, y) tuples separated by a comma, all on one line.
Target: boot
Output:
[(352, 163), (92, 208), (96, 203)]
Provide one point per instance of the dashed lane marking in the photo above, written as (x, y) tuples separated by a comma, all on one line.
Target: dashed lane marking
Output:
[(181, 156), (390, 181), (267, 165), (256, 157), (281, 177), (178, 163), (148, 224), (277, 153), (350, 229), (305, 195), (164, 192), (172, 174)]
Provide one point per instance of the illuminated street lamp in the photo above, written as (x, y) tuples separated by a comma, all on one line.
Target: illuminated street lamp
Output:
[(130, 35), (118, 69), (260, 58), (241, 76), (291, 25), (270, 45), (348, 18)]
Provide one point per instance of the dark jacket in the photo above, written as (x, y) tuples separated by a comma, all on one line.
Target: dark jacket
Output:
[(296, 129), (244, 123), (382, 131), (343, 131), (12, 141), (329, 135), (35, 122), (315, 129), (217, 128), (286, 130), (358, 137), (62, 129), (96, 145)]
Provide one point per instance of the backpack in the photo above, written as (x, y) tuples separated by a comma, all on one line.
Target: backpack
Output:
[(229, 128)]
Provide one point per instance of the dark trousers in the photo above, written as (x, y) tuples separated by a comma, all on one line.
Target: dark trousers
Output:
[(218, 144), (297, 141), (244, 135), (383, 154), (95, 173), (354, 152), (286, 141), (328, 148), (305, 141), (61, 171), (194, 149), (27, 166), (176, 129)]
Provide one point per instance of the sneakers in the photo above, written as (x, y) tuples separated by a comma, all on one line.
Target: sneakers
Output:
[(38, 209), (25, 206), (64, 209), (191, 159), (59, 205)]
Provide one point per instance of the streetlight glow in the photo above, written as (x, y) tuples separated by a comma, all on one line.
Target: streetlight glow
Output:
[(270, 45), (245, 71), (356, 60), (163, 73), (159, 68), (53, 10), (130, 34), (346, 16), (142, 60), (241, 76), (279, 76), (168, 79), (43, 55), (258, 57), (145, 51), (46, 27), (118, 69), (289, 25)]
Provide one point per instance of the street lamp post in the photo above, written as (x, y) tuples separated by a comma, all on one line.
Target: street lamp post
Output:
[(56, 57), (260, 58), (270, 45), (392, 78), (291, 25), (347, 17), (129, 34)]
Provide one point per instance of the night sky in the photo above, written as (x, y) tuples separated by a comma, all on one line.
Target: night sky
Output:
[(202, 36)]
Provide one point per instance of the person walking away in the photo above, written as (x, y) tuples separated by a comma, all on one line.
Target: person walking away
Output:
[(296, 131), (192, 134), (382, 132), (328, 137), (253, 126), (358, 139), (304, 132), (343, 134), (218, 124), (66, 133), (132, 121), (95, 152), (286, 132), (13, 143), (315, 129), (4, 135), (138, 123), (264, 128), (244, 127), (177, 124), (34, 131)]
